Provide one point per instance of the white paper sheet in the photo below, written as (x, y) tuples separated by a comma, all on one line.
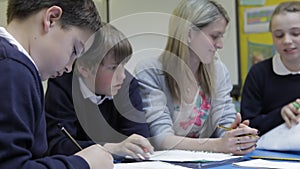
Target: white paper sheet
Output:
[(281, 138), (259, 163), (147, 165), (189, 156)]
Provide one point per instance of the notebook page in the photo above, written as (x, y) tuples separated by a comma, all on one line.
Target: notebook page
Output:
[(290, 142), (189, 156), (147, 165)]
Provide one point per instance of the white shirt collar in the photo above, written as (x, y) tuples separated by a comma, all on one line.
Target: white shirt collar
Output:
[(13, 41), (279, 68), (87, 93)]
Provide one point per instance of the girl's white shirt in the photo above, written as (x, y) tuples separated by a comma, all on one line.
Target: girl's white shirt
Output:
[(279, 68), (87, 93)]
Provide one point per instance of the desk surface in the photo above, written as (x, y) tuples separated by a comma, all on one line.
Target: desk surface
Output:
[(261, 153), (257, 153)]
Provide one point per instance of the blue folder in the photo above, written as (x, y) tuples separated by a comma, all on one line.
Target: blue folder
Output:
[(208, 164)]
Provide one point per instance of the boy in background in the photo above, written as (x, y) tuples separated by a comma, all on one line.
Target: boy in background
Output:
[(97, 103), (41, 41)]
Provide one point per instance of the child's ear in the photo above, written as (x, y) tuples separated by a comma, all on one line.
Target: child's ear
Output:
[(51, 18), (83, 71)]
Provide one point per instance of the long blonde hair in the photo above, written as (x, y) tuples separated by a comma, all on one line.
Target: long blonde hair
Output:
[(195, 14)]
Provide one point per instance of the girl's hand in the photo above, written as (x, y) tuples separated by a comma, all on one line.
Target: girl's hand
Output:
[(238, 120), (290, 113), (239, 141)]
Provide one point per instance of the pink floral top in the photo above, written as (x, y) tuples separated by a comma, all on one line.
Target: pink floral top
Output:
[(189, 118)]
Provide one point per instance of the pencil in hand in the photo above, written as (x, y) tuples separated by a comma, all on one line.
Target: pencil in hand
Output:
[(62, 128), (229, 128)]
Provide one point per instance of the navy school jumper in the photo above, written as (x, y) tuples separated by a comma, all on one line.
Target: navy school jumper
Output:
[(23, 139), (265, 93), (87, 122)]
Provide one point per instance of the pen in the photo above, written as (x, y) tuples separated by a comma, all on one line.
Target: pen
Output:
[(275, 158), (68, 135), (229, 128), (296, 105)]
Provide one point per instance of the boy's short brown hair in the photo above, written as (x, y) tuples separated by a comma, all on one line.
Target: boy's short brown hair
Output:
[(79, 13)]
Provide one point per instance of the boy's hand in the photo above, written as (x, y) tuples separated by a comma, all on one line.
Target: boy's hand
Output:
[(93, 153), (135, 146)]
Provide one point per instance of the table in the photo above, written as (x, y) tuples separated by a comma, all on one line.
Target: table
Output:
[(257, 152)]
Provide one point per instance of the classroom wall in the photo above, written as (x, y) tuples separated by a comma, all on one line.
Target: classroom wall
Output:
[(145, 23), (101, 6), (3, 4)]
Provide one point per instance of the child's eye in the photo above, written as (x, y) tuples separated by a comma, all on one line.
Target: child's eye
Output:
[(296, 33), (278, 34), (214, 37), (113, 67)]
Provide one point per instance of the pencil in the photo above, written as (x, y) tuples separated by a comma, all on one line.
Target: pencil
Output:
[(140, 156), (275, 158), (229, 128), (69, 135), (225, 128)]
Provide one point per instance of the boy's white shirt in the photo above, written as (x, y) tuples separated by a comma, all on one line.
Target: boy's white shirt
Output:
[(13, 41), (87, 93)]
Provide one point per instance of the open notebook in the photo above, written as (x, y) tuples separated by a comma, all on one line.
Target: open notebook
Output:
[(282, 138), (179, 159), (147, 165), (190, 156), (190, 159)]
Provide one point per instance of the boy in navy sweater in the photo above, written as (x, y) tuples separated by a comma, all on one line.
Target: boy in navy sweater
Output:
[(97, 102), (42, 39)]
